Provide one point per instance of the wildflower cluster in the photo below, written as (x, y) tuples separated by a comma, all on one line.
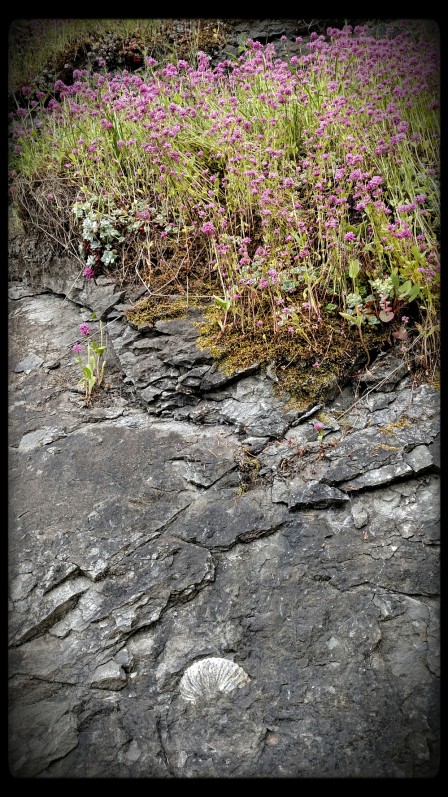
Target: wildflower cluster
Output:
[(309, 187)]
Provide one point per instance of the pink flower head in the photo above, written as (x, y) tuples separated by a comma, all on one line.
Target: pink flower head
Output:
[(89, 273), (350, 236), (374, 182), (84, 329), (406, 208), (77, 347), (318, 426), (208, 228)]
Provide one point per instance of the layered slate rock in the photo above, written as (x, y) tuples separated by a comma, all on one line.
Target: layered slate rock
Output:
[(186, 516), (172, 377)]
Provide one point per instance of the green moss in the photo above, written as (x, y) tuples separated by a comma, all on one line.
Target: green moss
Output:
[(149, 310), (390, 428), (304, 373)]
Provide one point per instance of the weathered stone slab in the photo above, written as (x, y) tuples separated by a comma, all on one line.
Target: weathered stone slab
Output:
[(139, 545)]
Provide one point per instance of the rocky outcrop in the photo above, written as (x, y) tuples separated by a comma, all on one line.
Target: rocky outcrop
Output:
[(186, 517)]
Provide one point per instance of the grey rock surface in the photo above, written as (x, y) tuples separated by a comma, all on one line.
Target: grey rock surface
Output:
[(152, 531)]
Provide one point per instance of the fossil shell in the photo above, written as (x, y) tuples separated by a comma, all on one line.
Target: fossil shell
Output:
[(206, 678)]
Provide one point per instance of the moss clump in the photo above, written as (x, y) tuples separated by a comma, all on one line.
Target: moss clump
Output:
[(149, 310), (390, 428), (249, 468), (303, 369)]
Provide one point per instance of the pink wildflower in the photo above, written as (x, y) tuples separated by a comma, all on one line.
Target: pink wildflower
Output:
[(374, 182), (319, 427), (84, 329), (208, 228), (406, 208)]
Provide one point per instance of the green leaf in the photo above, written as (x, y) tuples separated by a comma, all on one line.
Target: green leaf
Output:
[(394, 279), (353, 319), (87, 372), (224, 303), (405, 287), (419, 256), (353, 269), (414, 292)]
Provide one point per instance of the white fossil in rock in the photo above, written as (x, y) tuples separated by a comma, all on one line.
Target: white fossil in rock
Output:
[(206, 678)]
